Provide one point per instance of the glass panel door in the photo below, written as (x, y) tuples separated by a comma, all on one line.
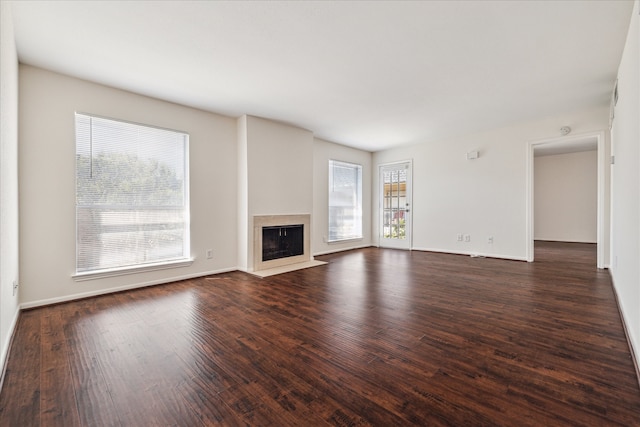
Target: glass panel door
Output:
[(395, 205)]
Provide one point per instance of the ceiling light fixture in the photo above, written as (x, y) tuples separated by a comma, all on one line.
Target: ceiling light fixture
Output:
[(565, 130)]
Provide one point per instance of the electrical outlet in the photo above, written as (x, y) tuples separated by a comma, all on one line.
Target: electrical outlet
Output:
[(459, 237), (490, 240), (209, 253), (15, 287), (467, 237)]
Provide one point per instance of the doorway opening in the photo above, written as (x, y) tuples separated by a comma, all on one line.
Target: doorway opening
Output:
[(567, 145)]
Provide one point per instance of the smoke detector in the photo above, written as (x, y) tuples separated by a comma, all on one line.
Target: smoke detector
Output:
[(564, 130)]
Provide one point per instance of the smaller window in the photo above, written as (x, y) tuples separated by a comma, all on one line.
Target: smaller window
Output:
[(345, 201)]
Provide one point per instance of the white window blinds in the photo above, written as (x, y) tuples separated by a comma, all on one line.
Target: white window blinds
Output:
[(132, 195), (345, 201)]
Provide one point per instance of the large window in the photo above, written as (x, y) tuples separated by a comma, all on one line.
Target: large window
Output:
[(345, 201), (132, 196)]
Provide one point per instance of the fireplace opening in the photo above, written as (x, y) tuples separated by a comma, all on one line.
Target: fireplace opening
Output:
[(282, 241)]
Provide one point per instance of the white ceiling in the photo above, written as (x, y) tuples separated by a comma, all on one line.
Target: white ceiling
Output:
[(370, 74)]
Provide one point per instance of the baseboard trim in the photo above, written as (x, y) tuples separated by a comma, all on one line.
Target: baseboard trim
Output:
[(565, 241), (470, 253), (351, 248), (82, 295), (442, 251), (6, 347), (634, 355)]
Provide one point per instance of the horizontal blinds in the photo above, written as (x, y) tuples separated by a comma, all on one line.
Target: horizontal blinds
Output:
[(345, 200), (131, 194)]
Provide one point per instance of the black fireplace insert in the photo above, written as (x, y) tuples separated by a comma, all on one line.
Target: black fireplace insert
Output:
[(282, 241)]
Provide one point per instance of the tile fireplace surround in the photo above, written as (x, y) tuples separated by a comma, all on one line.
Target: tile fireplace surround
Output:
[(265, 268)]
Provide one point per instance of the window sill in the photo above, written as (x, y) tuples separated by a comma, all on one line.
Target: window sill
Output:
[(99, 274), (352, 239)]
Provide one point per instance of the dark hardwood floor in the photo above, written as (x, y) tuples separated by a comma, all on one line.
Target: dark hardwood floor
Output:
[(376, 337)]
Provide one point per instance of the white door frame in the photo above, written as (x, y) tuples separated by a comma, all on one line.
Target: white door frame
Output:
[(409, 220), (602, 159)]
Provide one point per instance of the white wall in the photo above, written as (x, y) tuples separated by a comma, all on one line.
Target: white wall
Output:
[(566, 197), (483, 197), (279, 174), (239, 168), (323, 151), (9, 260), (47, 183), (625, 185)]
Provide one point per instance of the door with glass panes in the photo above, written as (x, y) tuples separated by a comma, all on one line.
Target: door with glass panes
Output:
[(395, 205)]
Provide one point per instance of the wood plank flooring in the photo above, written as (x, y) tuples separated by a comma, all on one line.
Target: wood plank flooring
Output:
[(375, 337)]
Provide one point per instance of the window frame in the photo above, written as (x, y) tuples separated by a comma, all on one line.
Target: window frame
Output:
[(171, 262), (358, 207)]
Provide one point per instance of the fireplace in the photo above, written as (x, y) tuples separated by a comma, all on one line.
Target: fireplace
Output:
[(280, 240)]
